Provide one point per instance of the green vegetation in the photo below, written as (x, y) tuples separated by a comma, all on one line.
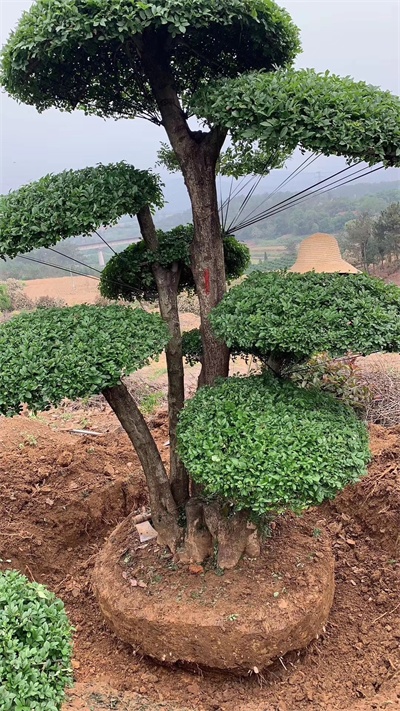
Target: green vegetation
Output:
[(35, 646), (52, 354), (374, 240), (229, 64), (203, 40), (293, 316), (301, 108), (340, 377), (94, 197), (129, 275), (5, 301), (265, 445), (150, 403)]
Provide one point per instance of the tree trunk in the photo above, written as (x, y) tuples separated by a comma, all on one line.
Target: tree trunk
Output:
[(164, 514), (197, 153), (207, 257), (167, 281)]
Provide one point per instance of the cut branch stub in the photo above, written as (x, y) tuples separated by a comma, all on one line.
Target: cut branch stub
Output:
[(231, 534), (198, 542)]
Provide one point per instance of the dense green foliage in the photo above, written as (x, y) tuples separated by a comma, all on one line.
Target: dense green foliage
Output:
[(74, 202), (192, 346), (52, 354), (319, 112), (266, 445), (5, 301), (297, 315), (90, 53), (35, 646), (128, 275)]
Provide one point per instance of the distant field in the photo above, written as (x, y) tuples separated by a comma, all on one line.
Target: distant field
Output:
[(257, 251), (73, 290)]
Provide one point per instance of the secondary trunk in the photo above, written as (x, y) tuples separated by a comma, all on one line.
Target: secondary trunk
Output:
[(167, 281), (164, 512)]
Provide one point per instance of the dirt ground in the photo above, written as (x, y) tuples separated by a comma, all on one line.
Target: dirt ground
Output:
[(74, 289), (60, 496)]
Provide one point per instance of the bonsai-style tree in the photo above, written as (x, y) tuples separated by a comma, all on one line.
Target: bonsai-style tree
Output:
[(168, 60)]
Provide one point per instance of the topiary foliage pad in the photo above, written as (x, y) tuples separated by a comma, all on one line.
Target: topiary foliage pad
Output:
[(73, 352), (298, 315), (266, 445)]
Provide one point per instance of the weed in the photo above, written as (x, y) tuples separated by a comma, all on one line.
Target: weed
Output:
[(233, 617), (151, 402), (317, 533)]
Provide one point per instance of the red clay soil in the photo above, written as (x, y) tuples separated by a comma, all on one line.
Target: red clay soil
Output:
[(73, 290), (202, 616), (61, 495)]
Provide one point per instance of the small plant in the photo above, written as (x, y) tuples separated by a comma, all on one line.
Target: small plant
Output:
[(341, 377), (5, 301), (35, 646), (233, 618), (31, 440), (317, 533), (151, 403)]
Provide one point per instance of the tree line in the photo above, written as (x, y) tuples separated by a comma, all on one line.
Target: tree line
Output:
[(374, 240)]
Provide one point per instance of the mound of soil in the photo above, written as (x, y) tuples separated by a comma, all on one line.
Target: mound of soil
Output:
[(56, 510), (375, 501), (202, 616)]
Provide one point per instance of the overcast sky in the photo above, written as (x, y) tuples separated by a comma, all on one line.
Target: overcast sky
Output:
[(360, 38)]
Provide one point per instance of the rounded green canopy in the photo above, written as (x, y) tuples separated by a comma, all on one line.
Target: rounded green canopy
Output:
[(94, 54), (52, 354), (266, 445), (128, 275), (72, 203), (294, 316)]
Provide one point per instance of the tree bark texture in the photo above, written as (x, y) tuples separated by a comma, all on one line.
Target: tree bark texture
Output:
[(167, 281), (164, 513), (197, 153)]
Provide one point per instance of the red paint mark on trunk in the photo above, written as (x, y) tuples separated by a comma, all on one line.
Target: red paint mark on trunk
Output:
[(207, 280)]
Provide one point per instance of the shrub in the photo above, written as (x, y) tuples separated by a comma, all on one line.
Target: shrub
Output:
[(128, 275), (298, 315), (339, 376), (35, 646), (192, 347), (19, 300), (49, 302), (5, 301), (266, 445)]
